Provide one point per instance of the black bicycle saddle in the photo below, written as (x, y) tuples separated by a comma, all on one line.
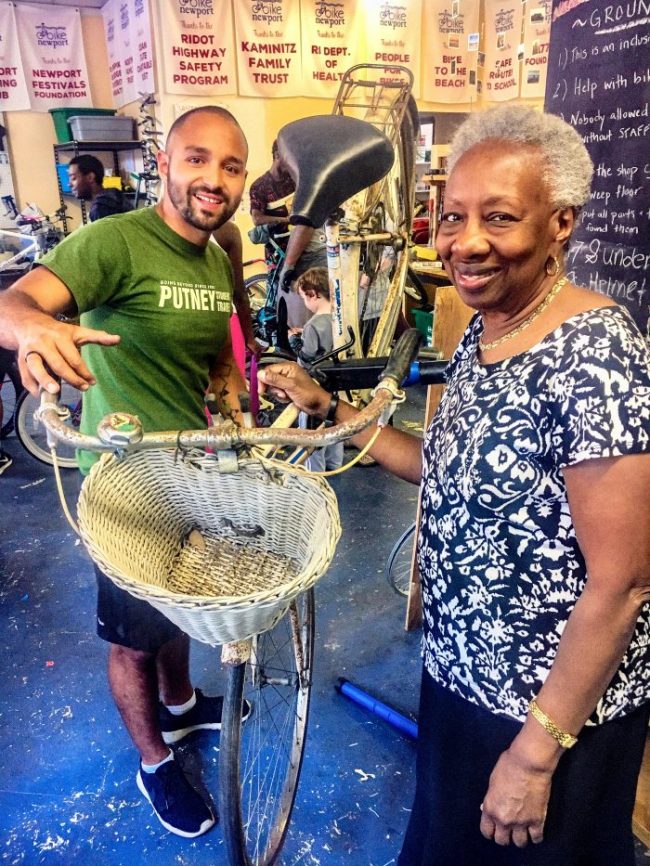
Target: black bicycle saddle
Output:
[(330, 158)]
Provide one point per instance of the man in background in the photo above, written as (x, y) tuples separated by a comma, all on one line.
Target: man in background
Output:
[(86, 175), (268, 196), (304, 247)]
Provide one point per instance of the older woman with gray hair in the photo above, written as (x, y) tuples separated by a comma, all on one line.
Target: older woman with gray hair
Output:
[(534, 546)]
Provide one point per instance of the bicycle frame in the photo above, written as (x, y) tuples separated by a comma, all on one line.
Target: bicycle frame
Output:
[(379, 95)]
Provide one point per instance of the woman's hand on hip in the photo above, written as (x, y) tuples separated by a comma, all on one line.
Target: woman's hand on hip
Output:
[(514, 807)]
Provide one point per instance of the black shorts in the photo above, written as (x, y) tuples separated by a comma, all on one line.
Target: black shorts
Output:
[(125, 620)]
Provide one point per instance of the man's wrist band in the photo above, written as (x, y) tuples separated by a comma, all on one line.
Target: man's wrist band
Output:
[(565, 739), (331, 411)]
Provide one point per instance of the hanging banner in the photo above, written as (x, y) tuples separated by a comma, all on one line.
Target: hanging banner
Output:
[(53, 56), (197, 47), (332, 41), (268, 47), (14, 95), (450, 50), (110, 12), (502, 39), (144, 70), (393, 34), (537, 31), (128, 49)]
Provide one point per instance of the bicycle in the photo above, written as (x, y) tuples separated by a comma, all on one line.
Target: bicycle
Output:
[(262, 292), (130, 526), (148, 180), (380, 215), (18, 405)]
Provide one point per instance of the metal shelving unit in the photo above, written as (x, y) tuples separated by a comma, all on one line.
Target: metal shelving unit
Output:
[(75, 148)]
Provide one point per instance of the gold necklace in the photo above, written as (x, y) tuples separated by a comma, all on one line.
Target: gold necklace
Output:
[(539, 309)]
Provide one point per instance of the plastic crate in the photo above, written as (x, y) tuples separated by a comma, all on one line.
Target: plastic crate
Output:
[(61, 116), (424, 323), (64, 179), (89, 128)]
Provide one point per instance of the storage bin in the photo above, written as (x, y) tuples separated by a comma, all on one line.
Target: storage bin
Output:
[(424, 323), (64, 180), (60, 117), (95, 128)]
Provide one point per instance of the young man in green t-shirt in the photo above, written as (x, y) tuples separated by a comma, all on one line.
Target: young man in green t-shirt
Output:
[(154, 299)]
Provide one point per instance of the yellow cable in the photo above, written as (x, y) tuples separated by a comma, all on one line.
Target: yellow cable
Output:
[(61, 492), (299, 470)]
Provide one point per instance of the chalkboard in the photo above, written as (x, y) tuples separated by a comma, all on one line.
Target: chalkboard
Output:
[(599, 82)]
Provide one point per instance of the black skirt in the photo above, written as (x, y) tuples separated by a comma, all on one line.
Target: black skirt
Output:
[(592, 796)]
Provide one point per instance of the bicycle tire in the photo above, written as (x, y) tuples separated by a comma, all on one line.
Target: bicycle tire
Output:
[(256, 289), (258, 772), (32, 434), (400, 561), (11, 389)]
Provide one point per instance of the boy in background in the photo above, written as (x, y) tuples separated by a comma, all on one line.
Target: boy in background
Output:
[(313, 288)]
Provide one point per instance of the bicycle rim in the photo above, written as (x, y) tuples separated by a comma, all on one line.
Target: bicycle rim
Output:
[(260, 761), (11, 389), (32, 434), (400, 562), (256, 289)]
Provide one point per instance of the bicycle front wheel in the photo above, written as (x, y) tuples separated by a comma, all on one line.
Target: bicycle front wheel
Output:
[(260, 761), (33, 435)]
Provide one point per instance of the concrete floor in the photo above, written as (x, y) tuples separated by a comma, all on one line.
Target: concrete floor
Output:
[(67, 790)]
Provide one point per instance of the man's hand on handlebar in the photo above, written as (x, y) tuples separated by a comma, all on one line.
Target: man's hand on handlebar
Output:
[(50, 350), (292, 384)]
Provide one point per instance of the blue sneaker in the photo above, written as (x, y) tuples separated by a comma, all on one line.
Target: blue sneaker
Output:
[(205, 715), (178, 807)]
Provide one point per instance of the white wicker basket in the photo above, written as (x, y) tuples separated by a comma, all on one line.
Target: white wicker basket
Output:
[(222, 555)]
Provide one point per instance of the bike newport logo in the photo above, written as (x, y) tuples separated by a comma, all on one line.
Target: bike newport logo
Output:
[(392, 15), (332, 14), (51, 37), (196, 7), (269, 12)]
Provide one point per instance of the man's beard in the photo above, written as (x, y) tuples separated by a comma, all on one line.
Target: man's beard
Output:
[(190, 208)]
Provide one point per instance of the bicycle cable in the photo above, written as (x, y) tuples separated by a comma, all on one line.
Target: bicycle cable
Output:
[(61, 491)]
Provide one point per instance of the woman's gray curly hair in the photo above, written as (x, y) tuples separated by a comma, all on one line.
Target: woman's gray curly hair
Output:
[(568, 167)]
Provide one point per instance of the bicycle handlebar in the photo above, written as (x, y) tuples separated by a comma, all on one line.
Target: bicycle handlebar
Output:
[(122, 432)]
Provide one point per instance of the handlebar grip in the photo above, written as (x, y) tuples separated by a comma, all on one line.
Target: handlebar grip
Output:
[(401, 357)]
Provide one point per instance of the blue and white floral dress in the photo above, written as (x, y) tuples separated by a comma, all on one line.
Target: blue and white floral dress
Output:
[(500, 564)]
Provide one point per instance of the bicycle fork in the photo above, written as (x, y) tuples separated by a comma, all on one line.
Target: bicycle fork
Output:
[(240, 652)]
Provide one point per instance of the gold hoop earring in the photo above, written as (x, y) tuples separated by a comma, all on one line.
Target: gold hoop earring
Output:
[(556, 264)]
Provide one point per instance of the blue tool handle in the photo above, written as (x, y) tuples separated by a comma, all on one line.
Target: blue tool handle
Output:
[(378, 708)]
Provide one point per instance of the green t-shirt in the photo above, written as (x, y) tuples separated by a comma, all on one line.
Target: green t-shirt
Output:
[(168, 299)]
